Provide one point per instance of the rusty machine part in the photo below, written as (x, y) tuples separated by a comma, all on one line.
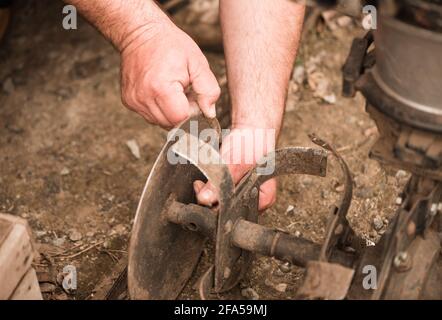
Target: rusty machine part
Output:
[(397, 67), (170, 230)]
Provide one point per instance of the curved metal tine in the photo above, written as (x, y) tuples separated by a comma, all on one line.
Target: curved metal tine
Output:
[(208, 160), (205, 284), (295, 160), (339, 213)]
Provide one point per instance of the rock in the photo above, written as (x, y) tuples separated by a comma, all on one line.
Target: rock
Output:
[(40, 233), (401, 174), (281, 287), (65, 171), (249, 293), (134, 148), (306, 181), (293, 87), (299, 75), (290, 209), (119, 229), (330, 98), (75, 235), (8, 86), (369, 243), (340, 188), (378, 224), (59, 241), (344, 21), (285, 267), (297, 234)]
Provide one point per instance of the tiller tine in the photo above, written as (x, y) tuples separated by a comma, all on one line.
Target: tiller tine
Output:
[(170, 229)]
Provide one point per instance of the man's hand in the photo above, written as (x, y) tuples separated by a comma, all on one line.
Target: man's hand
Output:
[(157, 71), (161, 65), (241, 150)]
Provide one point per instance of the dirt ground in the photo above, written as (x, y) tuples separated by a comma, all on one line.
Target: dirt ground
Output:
[(66, 168)]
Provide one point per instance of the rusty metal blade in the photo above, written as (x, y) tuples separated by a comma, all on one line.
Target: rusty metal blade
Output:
[(162, 255)]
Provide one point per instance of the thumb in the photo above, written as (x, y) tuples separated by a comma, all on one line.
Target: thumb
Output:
[(206, 88)]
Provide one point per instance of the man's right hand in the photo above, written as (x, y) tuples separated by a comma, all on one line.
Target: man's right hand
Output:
[(160, 63), (158, 68)]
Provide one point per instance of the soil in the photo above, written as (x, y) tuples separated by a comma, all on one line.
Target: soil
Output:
[(66, 168)]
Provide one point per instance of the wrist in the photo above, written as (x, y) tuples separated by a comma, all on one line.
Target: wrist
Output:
[(141, 31)]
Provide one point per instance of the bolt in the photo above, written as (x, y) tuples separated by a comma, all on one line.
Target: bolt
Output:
[(227, 273), (433, 209), (411, 228), (402, 261)]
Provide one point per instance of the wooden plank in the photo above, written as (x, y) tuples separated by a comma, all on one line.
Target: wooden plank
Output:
[(28, 289), (16, 255)]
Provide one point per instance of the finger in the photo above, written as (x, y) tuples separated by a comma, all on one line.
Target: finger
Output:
[(267, 194), (159, 116), (205, 193), (146, 115), (173, 103), (206, 87)]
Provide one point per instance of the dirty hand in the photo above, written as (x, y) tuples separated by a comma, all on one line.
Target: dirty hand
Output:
[(241, 150), (158, 68)]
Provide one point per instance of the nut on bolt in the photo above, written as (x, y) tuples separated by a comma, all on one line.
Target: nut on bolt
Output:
[(402, 261)]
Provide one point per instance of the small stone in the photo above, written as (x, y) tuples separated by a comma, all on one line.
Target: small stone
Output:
[(399, 201), (373, 234), (75, 235), (59, 241), (134, 148), (369, 243), (40, 233), (378, 224), (282, 287), (340, 188), (290, 209), (297, 234), (8, 86), (344, 21), (330, 98), (249, 293), (299, 75), (119, 229), (90, 234), (65, 171), (285, 267), (306, 181), (401, 174)]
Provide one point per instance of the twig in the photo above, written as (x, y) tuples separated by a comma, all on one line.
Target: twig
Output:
[(83, 251)]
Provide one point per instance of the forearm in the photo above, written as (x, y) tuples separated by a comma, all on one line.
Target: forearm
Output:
[(122, 21), (261, 40)]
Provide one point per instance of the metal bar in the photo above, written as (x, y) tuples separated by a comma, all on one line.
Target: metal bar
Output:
[(252, 237), (193, 218)]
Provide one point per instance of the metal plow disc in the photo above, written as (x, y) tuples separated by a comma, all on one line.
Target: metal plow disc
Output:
[(162, 256)]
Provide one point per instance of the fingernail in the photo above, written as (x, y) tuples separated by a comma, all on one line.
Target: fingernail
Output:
[(211, 112)]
